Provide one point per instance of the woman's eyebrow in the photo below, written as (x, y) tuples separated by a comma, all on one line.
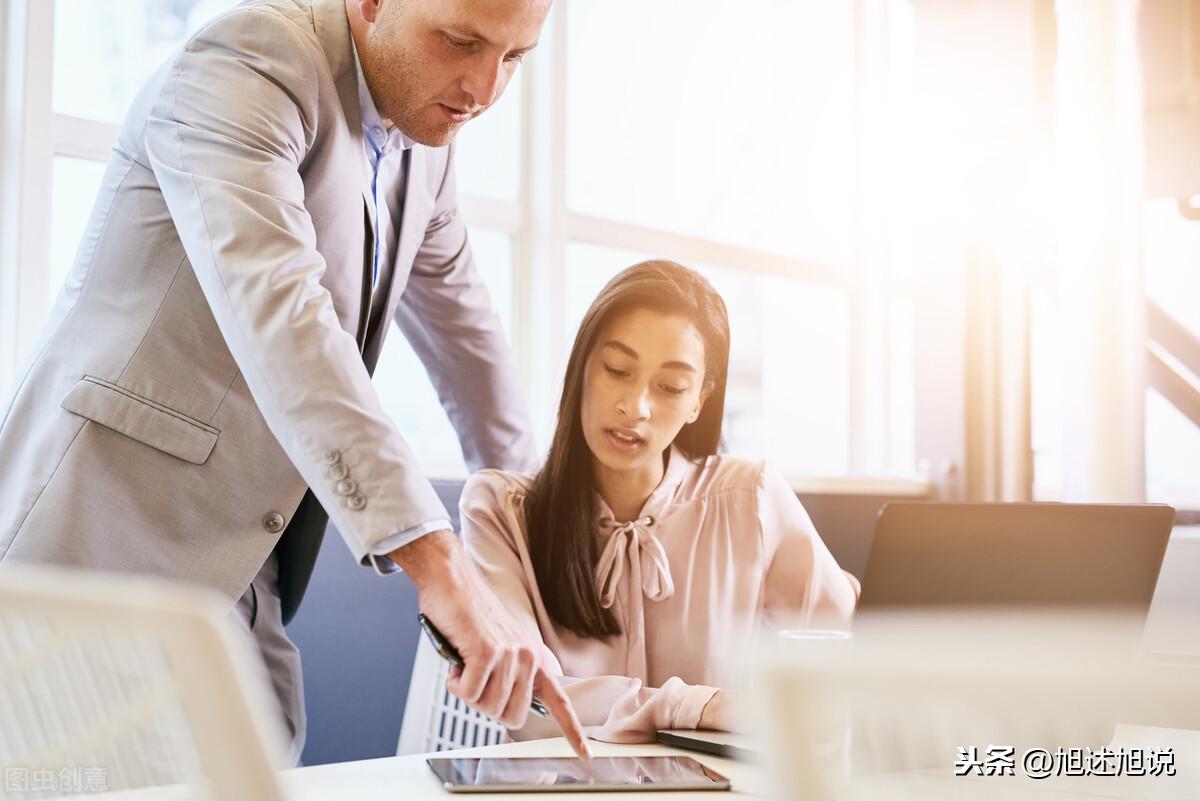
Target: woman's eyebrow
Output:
[(631, 353), (621, 346)]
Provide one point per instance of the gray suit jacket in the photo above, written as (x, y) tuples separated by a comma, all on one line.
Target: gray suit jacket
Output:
[(203, 364)]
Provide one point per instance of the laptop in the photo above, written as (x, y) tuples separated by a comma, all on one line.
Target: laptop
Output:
[(1016, 554)]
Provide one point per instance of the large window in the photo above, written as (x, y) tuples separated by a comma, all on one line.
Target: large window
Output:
[(1172, 252), (1172, 442), (104, 50), (1169, 238), (728, 122), (732, 139)]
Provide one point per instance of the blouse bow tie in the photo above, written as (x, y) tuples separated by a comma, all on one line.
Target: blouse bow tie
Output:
[(633, 541)]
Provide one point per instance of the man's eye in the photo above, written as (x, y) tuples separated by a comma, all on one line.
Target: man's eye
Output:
[(460, 44), (514, 58), (618, 373)]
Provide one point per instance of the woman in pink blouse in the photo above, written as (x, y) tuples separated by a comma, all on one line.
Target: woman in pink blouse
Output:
[(647, 561)]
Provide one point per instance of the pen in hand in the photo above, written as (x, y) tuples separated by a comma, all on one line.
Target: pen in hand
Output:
[(448, 652)]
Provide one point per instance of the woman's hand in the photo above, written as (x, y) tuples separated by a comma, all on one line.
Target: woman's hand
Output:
[(722, 711)]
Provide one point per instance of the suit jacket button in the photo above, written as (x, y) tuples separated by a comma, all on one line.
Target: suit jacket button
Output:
[(346, 487), (356, 502), (332, 456), (273, 522), (339, 471)]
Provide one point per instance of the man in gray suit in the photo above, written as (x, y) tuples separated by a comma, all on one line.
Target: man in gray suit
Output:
[(280, 190)]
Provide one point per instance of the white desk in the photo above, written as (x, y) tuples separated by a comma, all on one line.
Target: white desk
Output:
[(408, 778)]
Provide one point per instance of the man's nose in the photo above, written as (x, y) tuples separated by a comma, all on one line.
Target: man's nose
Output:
[(485, 81)]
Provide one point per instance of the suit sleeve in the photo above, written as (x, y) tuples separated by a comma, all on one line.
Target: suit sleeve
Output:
[(446, 314), (804, 584), (611, 708), (226, 139)]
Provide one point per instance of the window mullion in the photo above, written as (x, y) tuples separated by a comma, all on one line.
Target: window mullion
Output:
[(84, 139), (689, 249), (539, 283), (26, 223)]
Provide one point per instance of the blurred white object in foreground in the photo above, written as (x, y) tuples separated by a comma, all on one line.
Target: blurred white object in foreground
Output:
[(113, 682), (1005, 705)]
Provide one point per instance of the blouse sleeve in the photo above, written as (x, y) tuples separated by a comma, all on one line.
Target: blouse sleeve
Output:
[(489, 532), (804, 584), (611, 708)]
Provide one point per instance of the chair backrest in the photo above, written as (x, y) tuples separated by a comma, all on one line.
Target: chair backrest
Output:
[(435, 720), (114, 683)]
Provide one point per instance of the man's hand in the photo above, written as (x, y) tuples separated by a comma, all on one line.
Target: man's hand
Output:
[(503, 665)]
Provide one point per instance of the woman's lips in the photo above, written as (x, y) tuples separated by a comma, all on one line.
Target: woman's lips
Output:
[(624, 440)]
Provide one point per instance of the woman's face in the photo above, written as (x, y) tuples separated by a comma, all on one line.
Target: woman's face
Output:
[(642, 383)]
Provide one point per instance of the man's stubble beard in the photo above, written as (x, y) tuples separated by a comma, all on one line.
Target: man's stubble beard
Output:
[(391, 73)]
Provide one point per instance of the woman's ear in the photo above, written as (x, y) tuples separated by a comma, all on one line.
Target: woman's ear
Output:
[(695, 415)]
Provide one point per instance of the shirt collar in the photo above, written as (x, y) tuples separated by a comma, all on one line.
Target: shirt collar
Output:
[(373, 125)]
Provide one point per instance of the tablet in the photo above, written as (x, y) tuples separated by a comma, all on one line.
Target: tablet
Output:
[(606, 774)]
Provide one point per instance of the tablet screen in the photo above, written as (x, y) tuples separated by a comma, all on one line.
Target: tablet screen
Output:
[(531, 774)]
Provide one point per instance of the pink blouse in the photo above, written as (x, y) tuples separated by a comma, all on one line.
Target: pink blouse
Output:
[(720, 548)]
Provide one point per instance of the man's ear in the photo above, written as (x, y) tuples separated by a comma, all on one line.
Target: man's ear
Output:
[(369, 9)]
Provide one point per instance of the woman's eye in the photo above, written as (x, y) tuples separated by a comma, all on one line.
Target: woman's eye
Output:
[(670, 390), (615, 372)]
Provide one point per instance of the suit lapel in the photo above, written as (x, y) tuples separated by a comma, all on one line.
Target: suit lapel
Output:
[(380, 300), (333, 31), (416, 208)]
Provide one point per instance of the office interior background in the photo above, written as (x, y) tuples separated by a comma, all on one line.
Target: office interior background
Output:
[(957, 238)]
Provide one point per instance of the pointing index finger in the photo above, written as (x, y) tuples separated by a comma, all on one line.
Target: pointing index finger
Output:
[(560, 709)]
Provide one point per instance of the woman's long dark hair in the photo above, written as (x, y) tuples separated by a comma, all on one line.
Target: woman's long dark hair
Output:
[(558, 509)]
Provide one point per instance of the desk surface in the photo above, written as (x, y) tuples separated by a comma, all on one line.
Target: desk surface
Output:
[(408, 778)]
